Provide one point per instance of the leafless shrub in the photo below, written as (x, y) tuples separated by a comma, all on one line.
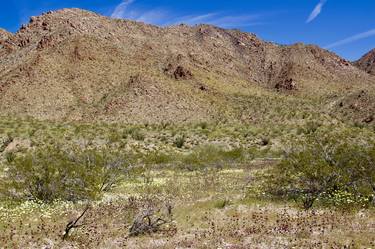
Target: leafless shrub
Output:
[(151, 220)]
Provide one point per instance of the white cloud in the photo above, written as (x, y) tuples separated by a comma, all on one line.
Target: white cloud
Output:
[(236, 21), (316, 11), (163, 17), (120, 9), (352, 39), (221, 20), (195, 19), (157, 16)]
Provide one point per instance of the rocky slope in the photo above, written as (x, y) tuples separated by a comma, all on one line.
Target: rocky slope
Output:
[(367, 62), (4, 36), (77, 65)]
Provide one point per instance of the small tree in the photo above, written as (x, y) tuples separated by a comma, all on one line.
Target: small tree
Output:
[(48, 174), (322, 165)]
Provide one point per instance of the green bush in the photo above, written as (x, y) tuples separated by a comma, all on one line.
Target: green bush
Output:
[(179, 141), (327, 168), (50, 174)]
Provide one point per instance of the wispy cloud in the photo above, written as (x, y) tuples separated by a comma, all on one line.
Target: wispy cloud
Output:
[(164, 17), (194, 19), (222, 20), (156, 16), (352, 39), (316, 11), (125, 11), (120, 9), (236, 21)]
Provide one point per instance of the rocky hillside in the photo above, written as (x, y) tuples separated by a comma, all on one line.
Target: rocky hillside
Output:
[(4, 36), (367, 62), (77, 65)]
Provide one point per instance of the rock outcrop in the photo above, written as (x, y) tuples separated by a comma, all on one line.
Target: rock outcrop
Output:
[(367, 62)]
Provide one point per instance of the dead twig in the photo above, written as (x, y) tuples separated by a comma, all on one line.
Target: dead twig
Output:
[(74, 223)]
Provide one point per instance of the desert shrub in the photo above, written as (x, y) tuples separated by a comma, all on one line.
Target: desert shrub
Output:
[(327, 168), (134, 133), (179, 141), (110, 166), (153, 220), (49, 174)]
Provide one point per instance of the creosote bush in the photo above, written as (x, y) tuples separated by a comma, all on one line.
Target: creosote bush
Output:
[(49, 174), (336, 169)]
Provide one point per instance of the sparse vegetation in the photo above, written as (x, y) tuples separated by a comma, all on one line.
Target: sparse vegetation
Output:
[(213, 156), (217, 180)]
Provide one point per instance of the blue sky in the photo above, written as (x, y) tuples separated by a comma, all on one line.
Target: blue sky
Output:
[(346, 27)]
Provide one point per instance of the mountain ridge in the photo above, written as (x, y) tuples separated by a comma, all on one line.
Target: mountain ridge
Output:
[(77, 65)]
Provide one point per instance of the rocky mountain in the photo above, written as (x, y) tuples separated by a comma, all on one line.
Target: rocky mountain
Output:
[(77, 65), (367, 62)]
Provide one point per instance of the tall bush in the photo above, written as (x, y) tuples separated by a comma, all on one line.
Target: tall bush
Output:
[(50, 173), (325, 167)]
